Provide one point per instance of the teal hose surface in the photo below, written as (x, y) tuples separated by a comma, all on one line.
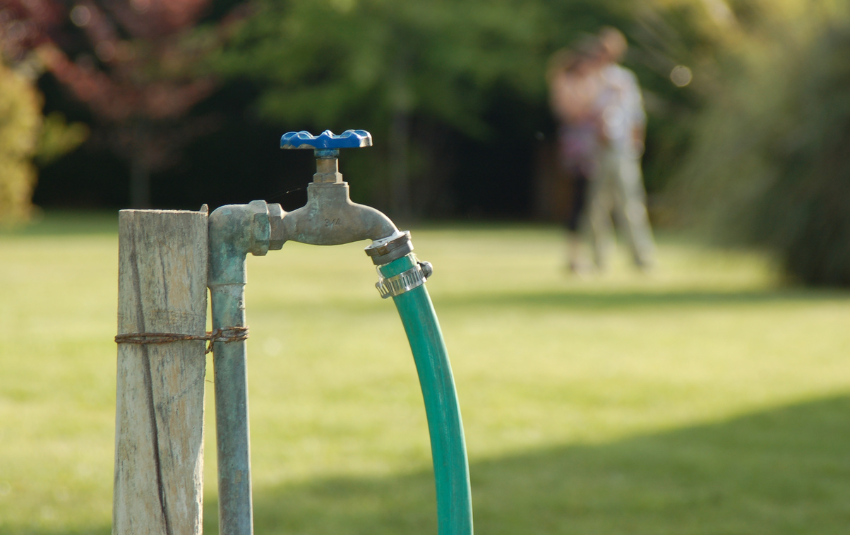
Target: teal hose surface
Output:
[(448, 447)]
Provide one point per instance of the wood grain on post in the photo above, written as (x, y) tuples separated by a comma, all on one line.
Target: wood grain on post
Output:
[(159, 421)]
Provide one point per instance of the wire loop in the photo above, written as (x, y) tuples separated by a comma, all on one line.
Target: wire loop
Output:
[(226, 335)]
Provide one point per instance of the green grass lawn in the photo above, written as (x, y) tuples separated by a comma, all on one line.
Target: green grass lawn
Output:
[(704, 398)]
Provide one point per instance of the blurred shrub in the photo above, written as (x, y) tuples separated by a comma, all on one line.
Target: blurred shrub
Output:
[(20, 119), (27, 137), (58, 137), (771, 158)]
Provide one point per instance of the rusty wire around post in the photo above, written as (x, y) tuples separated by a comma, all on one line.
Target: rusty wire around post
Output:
[(226, 335)]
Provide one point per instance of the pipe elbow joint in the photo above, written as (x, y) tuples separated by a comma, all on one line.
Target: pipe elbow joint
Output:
[(234, 231)]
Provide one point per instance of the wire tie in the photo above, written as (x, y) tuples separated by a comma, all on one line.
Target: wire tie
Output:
[(226, 335)]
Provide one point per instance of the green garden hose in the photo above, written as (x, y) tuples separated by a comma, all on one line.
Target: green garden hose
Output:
[(448, 447)]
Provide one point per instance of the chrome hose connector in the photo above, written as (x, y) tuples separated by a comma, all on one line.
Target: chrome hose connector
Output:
[(391, 248)]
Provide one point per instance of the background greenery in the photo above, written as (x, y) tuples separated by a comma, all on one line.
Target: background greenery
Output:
[(454, 94), (752, 148), (769, 165), (702, 399), (19, 107)]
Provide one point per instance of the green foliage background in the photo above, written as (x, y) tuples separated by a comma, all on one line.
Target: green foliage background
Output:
[(770, 163), (455, 96), (465, 74), (331, 61)]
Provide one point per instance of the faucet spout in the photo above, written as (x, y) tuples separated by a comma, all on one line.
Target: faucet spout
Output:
[(330, 218)]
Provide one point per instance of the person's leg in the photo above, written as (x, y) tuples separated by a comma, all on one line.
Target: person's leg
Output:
[(575, 253), (600, 204), (631, 207)]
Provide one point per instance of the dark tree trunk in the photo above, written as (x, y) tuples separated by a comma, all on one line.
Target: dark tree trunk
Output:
[(399, 166), (140, 168)]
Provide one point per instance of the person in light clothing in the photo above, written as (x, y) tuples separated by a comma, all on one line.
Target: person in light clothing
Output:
[(616, 187)]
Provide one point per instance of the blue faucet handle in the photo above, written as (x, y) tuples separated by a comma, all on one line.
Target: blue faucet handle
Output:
[(350, 139)]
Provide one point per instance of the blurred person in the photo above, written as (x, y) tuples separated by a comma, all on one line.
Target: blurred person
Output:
[(617, 184), (573, 91)]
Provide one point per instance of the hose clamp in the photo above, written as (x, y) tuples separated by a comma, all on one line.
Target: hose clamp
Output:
[(404, 281)]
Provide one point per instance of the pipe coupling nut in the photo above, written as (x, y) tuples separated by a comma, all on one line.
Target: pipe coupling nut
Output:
[(277, 232), (391, 248), (260, 228)]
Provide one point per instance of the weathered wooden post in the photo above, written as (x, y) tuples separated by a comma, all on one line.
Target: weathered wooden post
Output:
[(159, 421)]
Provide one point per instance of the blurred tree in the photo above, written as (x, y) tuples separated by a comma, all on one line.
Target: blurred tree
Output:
[(133, 62), (20, 111), (332, 63), (434, 78), (453, 91), (770, 164)]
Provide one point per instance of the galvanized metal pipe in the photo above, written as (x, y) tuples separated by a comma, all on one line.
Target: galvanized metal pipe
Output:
[(448, 446), (235, 230), (231, 415)]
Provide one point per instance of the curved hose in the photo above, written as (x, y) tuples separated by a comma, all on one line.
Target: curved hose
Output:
[(448, 447)]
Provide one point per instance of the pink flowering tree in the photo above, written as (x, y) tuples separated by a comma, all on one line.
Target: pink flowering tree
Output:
[(134, 63)]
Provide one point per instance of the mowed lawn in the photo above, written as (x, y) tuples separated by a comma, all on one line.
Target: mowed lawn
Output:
[(704, 398)]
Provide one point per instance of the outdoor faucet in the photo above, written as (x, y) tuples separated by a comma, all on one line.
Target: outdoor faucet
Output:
[(329, 217)]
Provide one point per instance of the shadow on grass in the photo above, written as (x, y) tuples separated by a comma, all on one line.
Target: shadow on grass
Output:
[(610, 299), (782, 471)]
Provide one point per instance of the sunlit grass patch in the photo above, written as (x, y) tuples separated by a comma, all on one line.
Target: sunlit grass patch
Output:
[(701, 398)]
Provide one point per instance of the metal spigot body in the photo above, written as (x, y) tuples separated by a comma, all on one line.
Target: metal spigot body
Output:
[(329, 217)]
